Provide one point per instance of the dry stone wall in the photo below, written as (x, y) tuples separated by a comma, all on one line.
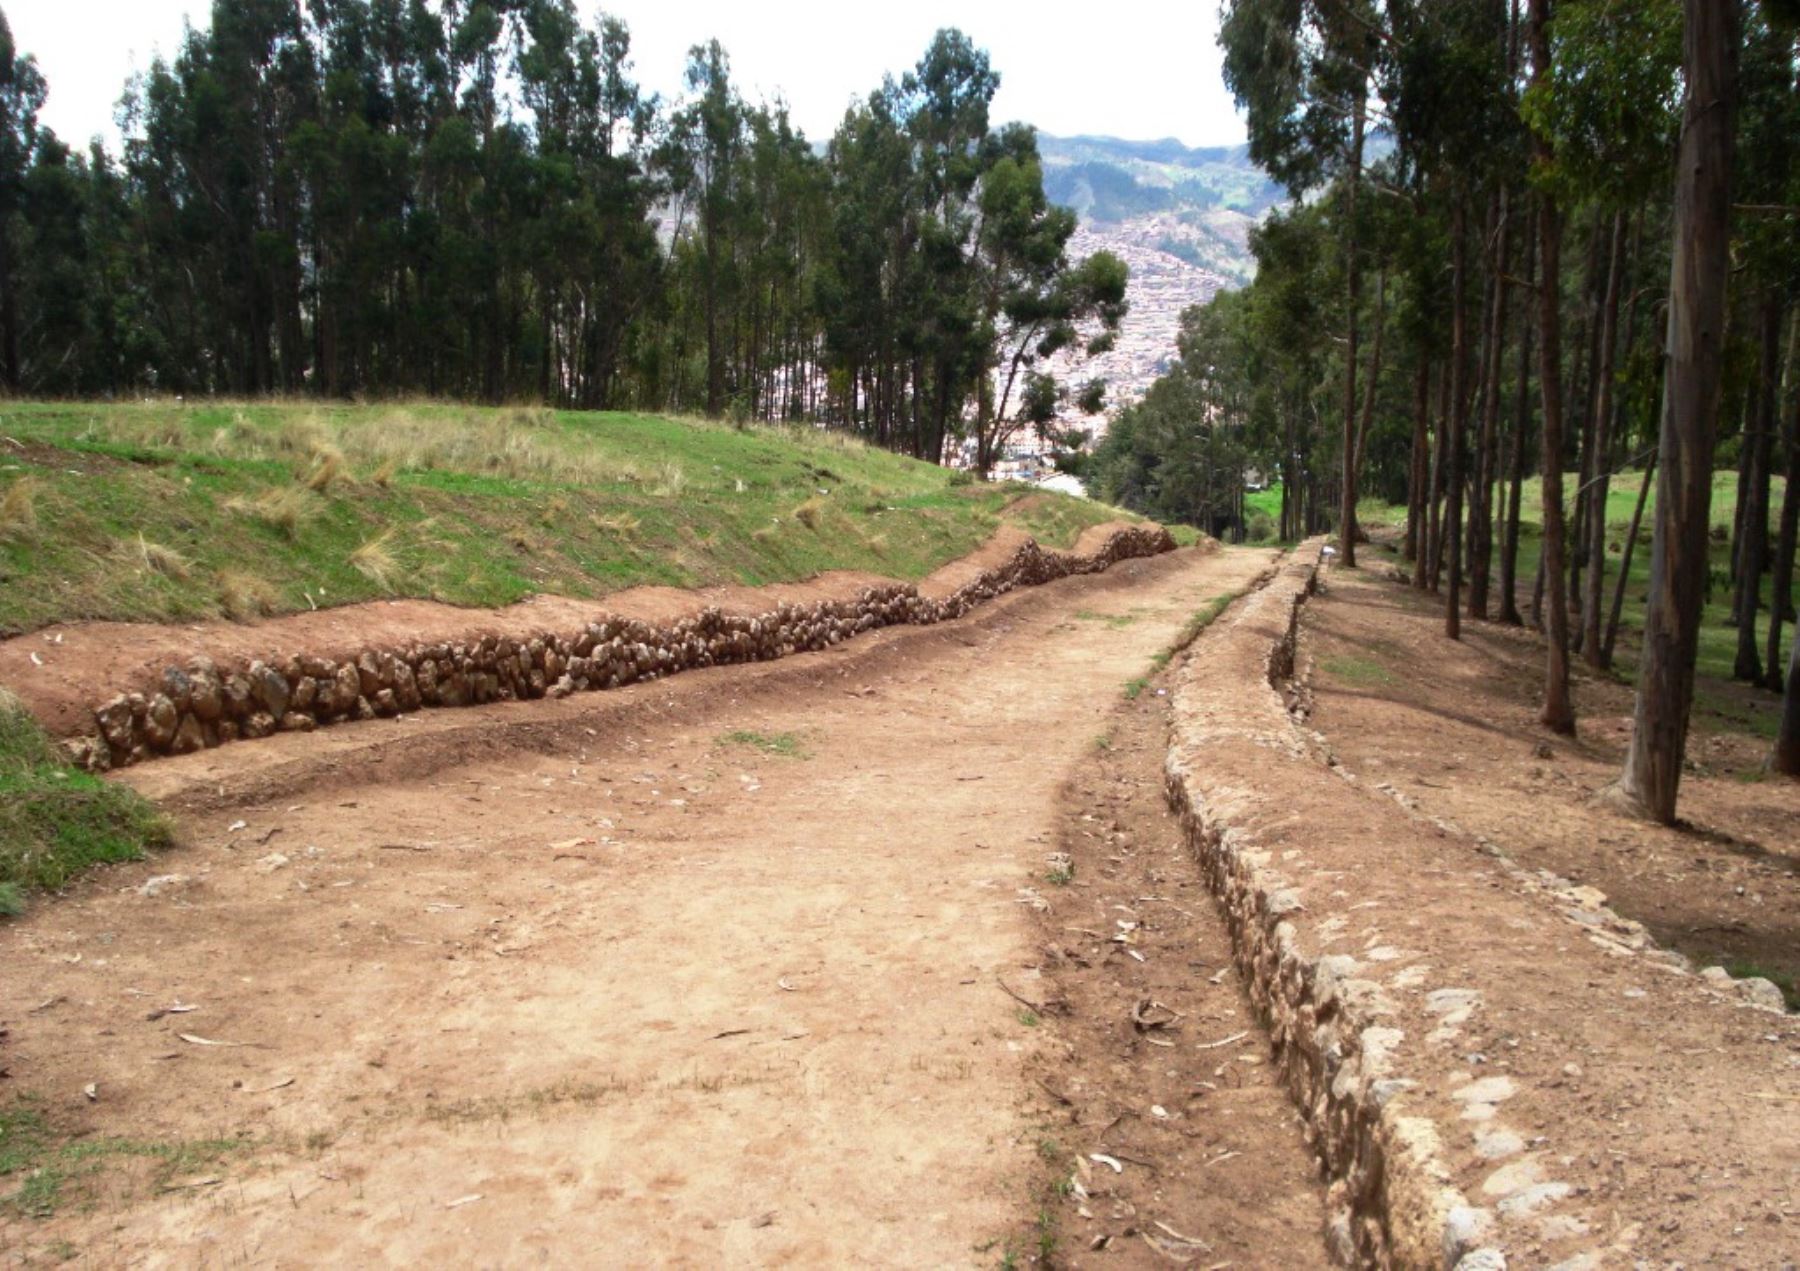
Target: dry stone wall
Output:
[(1390, 1199), (202, 704)]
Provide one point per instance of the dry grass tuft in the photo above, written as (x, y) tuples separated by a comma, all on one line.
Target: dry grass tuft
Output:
[(327, 469), (621, 524), (164, 560), (305, 435), (670, 480), (810, 513), (385, 474), (18, 508), (244, 596), (284, 508), (374, 561)]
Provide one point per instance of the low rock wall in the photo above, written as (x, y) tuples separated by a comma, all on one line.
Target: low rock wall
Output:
[(1389, 1196), (201, 704)]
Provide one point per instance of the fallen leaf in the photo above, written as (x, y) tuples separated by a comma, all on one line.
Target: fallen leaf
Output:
[(204, 1041), (1223, 1041), (460, 1201), (92, 1091), (280, 1083), (1101, 1158)]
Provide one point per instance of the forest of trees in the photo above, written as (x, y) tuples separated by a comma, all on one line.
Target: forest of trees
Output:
[(1528, 237), (475, 200)]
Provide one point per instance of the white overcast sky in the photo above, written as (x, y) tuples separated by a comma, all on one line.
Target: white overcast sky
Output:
[(1134, 69)]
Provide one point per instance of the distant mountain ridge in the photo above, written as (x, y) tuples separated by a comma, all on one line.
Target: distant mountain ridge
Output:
[(1197, 203)]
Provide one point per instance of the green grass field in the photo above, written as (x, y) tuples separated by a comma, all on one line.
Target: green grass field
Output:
[(1753, 712), (162, 511)]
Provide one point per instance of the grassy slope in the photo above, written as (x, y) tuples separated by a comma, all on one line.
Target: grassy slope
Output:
[(56, 821), (164, 512)]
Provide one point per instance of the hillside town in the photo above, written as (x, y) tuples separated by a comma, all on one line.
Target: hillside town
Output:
[(1162, 286)]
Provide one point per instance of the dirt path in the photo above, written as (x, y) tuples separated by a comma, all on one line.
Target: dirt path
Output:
[(698, 972)]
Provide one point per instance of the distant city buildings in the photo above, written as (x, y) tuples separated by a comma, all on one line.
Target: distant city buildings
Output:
[(1162, 286)]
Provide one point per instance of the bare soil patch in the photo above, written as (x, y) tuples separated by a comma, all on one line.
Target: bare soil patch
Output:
[(1454, 726), (700, 972)]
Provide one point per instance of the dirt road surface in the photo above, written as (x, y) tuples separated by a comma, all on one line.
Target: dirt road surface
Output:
[(700, 972)]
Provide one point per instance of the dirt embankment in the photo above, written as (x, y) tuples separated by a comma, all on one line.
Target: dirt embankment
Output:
[(121, 693), (1495, 1067)]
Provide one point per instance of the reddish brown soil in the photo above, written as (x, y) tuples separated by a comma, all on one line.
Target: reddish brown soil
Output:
[(1155, 1057), (1599, 1104), (61, 673), (589, 981), (1454, 726)]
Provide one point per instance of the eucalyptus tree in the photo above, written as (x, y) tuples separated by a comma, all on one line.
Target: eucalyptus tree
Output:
[(1609, 109), (1767, 256), (22, 94), (1301, 70), (1033, 302), (1697, 282)]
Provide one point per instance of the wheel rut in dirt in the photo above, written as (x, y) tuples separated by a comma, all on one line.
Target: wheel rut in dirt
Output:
[(699, 972)]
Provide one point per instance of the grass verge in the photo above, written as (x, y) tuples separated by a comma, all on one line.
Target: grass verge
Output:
[(785, 745), (171, 512), (56, 821), (52, 1169)]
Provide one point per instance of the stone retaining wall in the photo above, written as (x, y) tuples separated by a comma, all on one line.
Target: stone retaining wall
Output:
[(201, 704), (1389, 1196)]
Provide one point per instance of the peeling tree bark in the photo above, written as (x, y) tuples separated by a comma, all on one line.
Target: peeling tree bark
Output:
[(1697, 281)]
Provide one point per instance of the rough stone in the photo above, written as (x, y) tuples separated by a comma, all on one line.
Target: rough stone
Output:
[(190, 735), (207, 694), (271, 689), (1760, 992), (160, 722)]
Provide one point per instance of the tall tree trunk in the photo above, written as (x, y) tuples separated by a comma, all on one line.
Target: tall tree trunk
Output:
[(1415, 484), (1481, 511), (1748, 665), (1786, 757), (1459, 409), (1435, 510), (1781, 594), (1559, 710), (1624, 579), (1697, 280), (1509, 545), (1592, 645), (1353, 297), (9, 314)]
